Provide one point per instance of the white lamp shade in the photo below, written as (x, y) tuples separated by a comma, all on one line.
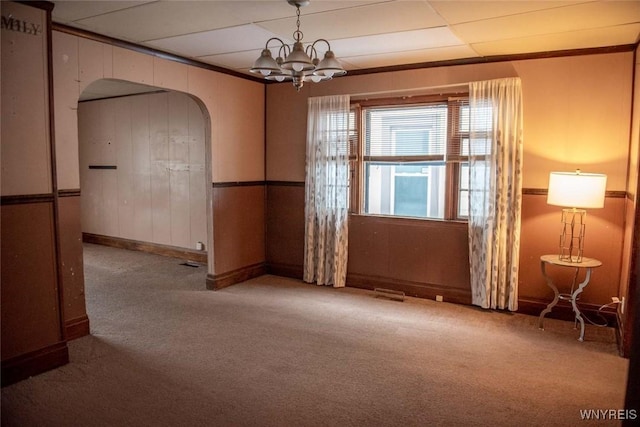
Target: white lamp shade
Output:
[(577, 189)]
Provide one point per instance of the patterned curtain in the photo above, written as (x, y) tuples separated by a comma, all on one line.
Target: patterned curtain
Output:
[(326, 191), (495, 191)]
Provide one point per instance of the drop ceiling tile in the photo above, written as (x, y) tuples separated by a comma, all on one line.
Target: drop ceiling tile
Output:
[(379, 18), (67, 11), (260, 11), (226, 40), (235, 60), (394, 42), (559, 20), (599, 37), (456, 12), (164, 19), (410, 57)]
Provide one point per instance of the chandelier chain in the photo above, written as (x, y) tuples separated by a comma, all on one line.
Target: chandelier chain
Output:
[(297, 34)]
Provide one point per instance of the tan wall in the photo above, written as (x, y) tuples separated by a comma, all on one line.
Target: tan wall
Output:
[(158, 191), (25, 149), (234, 110), (576, 115), (31, 304), (235, 106)]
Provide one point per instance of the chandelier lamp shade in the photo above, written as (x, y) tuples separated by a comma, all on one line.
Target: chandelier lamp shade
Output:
[(575, 191), (297, 63)]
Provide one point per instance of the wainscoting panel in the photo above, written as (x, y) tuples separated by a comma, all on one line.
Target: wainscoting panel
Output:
[(285, 228), (28, 275), (238, 226), (72, 273)]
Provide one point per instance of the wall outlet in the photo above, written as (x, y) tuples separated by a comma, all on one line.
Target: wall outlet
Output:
[(439, 298)]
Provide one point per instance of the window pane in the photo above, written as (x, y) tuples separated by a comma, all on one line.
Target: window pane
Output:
[(407, 131), (463, 191), (405, 189)]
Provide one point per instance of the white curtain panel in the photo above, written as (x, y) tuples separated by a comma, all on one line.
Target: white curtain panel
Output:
[(326, 191), (495, 191)]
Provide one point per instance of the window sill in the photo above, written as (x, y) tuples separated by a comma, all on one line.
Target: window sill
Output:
[(410, 220)]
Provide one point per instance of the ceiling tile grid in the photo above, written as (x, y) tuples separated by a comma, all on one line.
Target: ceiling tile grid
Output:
[(363, 34)]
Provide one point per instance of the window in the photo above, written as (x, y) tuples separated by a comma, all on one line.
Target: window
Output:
[(410, 159)]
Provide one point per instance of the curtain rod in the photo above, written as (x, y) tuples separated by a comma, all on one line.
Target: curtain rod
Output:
[(417, 89)]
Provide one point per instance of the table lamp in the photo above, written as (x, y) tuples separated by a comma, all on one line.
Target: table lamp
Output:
[(575, 191)]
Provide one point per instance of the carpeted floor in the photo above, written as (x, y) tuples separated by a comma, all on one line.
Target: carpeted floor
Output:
[(277, 352)]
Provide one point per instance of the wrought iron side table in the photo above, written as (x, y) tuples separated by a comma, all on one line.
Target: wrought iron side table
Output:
[(588, 264)]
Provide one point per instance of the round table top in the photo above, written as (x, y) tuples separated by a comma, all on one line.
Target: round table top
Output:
[(585, 263)]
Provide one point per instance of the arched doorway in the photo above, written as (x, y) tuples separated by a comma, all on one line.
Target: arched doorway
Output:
[(144, 160)]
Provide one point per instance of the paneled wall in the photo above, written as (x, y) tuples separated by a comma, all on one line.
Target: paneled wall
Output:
[(156, 191), (233, 110), (576, 115), (33, 337)]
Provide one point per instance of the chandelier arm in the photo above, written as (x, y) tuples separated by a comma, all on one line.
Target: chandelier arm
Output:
[(321, 40), (284, 50), (266, 46), (311, 51)]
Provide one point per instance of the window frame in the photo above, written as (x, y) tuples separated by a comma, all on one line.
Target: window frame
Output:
[(452, 159)]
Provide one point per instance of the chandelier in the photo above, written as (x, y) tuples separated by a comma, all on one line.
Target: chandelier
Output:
[(300, 64)]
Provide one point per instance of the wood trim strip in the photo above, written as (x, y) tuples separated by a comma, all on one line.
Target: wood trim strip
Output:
[(414, 289), (238, 184), (219, 281), (77, 328), (153, 248), (24, 199), (612, 194), (33, 363), (463, 61), (286, 183), (44, 5), (71, 192), (150, 51), (496, 58), (620, 335), (59, 264)]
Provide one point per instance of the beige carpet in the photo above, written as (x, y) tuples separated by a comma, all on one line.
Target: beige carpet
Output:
[(277, 352)]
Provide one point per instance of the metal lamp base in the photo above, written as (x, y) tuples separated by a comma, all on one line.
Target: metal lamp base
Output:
[(572, 236)]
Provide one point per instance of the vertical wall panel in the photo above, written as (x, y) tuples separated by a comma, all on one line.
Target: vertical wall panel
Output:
[(132, 66), (169, 74), (197, 176), (141, 169), (107, 145), (159, 148), (29, 298), (66, 91), (90, 62), (90, 154), (156, 194), (239, 226), (25, 149), (124, 153), (178, 119), (71, 254)]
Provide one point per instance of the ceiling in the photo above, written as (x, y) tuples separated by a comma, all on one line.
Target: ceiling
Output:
[(363, 34)]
